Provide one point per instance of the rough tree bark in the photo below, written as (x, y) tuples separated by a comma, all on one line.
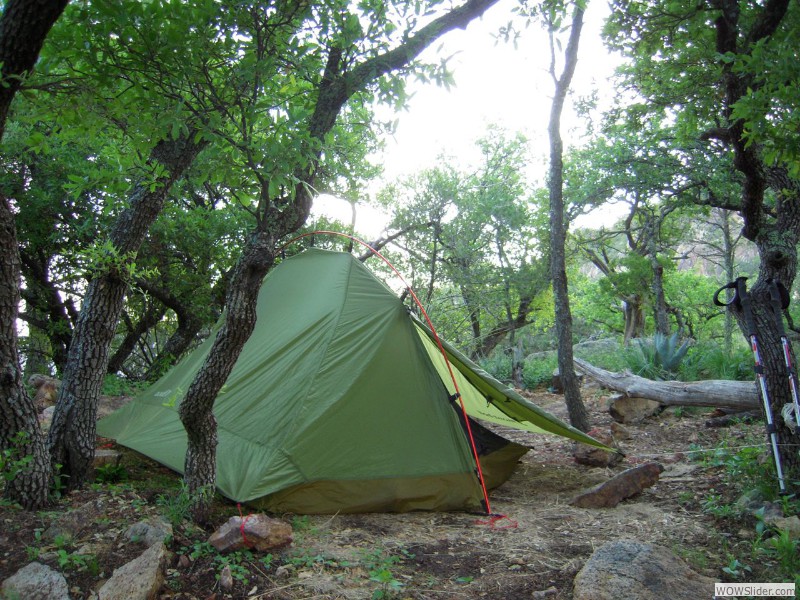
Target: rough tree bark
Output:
[(775, 230), (336, 87), (23, 29), (24, 25), (558, 229), (17, 411), (71, 439)]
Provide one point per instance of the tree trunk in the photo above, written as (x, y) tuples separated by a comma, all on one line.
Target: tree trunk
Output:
[(72, 433), (23, 29), (775, 229), (17, 412), (740, 395), (634, 318), (558, 231), (196, 409), (151, 317), (729, 264), (24, 26)]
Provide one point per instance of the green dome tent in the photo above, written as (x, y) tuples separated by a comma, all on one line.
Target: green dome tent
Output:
[(340, 401)]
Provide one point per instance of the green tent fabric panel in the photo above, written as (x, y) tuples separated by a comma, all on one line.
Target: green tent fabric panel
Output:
[(411, 429), (506, 407), (143, 427), (275, 371), (375, 366)]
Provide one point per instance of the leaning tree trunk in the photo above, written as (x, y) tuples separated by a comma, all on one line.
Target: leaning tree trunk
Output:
[(24, 26), (72, 434), (17, 411), (558, 232), (196, 408), (720, 393)]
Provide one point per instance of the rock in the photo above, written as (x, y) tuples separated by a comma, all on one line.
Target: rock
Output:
[(36, 582), (150, 531), (104, 456), (74, 523), (259, 531), (791, 525), (283, 572), (139, 579), (772, 512), (226, 578), (632, 410), (597, 457), (637, 571), (621, 486), (550, 592)]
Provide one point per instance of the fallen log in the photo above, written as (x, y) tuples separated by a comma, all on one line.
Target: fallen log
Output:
[(741, 395)]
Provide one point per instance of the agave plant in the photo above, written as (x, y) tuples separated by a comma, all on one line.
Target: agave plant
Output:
[(658, 357)]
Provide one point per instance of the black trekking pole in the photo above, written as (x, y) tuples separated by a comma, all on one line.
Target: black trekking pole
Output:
[(780, 302), (741, 300)]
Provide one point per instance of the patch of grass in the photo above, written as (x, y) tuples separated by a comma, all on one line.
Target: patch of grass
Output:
[(177, 507)]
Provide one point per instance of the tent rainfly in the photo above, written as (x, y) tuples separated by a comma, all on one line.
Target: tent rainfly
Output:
[(341, 401)]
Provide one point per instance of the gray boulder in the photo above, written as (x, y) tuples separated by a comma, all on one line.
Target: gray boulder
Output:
[(139, 579), (36, 582), (637, 571)]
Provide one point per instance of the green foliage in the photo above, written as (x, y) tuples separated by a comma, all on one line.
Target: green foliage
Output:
[(104, 259), (477, 256), (110, 473), (658, 357), (539, 371), (379, 565), (709, 360), (238, 562), (177, 507), (12, 460), (114, 385), (737, 569)]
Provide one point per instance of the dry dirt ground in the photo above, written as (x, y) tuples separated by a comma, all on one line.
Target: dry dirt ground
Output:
[(535, 551)]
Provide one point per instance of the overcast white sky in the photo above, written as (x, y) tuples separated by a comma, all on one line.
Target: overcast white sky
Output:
[(496, 82)]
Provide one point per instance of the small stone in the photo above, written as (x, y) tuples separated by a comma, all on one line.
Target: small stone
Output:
[(619, 431), (596, 457), (226, 578), (283, 572)]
